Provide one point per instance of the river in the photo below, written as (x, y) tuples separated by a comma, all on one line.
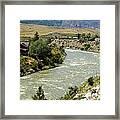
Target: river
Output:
[(77, 67)]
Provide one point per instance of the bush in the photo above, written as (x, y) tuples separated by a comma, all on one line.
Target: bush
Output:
[(57, 55), (39, 94), (36, 36), (86, 46), (70, 94), (90, 81), (82, 48), (39, 49), (48, 53), (27, 65)]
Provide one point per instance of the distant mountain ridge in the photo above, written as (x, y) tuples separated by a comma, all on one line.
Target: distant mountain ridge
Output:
[(65, 23)]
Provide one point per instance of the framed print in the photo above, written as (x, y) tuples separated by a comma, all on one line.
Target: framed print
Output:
[(59, 59)]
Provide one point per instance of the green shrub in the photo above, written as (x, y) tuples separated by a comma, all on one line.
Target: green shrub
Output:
[(57, 55), (86, 46), (70, 94), (36, 36), (49, 54), (90, 81), (82, 48), (27, 65), (39, 49), (39, 94)]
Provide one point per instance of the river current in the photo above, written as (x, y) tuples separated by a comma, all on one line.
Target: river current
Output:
[(77, 67)]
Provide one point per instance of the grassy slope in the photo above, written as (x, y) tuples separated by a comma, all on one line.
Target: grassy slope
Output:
[(28, 30)]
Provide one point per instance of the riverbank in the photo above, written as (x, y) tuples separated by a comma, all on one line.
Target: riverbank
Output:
[(88, 90), (77, 67), (40, 54), (29, 65), (83, 51)]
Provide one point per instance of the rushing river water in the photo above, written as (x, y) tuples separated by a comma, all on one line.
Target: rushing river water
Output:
[(77, 67)]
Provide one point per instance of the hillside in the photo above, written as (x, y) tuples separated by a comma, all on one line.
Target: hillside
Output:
[(65, 23), (28, 30)]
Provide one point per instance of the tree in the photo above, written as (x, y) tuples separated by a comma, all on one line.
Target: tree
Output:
[(86, 46), (88, 36), (39, 49), (39, 94), (83, 37), (57, 54), (79, 35), (90, 81), (36, 36), (70, 94), (49, 54)]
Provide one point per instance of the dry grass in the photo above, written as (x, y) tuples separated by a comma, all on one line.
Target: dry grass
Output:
[(28, 30)]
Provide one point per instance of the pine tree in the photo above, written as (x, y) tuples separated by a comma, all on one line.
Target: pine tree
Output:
[(39, 94), (36, 36)]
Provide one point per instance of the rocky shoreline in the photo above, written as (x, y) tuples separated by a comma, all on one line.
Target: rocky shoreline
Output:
[(40, 54), (88, 90)]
